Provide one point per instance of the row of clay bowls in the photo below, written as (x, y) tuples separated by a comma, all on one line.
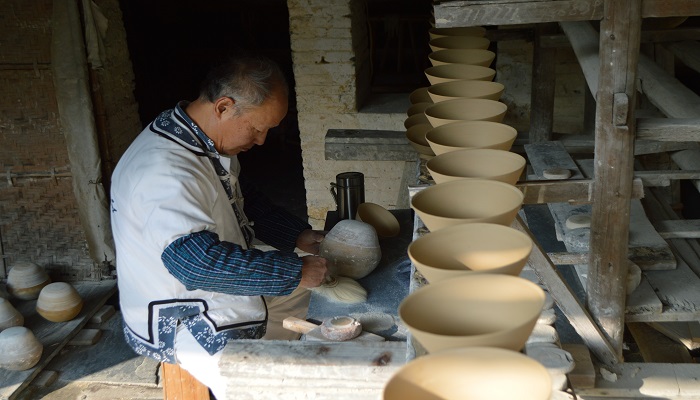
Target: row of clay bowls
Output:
[(476, 313), (56, 302)]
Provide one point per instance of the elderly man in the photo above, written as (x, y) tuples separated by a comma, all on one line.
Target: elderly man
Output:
[(189, 279)]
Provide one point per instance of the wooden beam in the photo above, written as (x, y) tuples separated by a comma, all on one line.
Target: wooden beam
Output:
[(669, 129), (688, 52), (647, 258), (584, 41), (666, 92), (673, 8), (178, 384), (543, 83), (566, 191), (614, 157)]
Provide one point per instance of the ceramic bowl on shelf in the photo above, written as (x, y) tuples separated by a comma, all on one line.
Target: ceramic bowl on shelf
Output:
[(458, 42), (26, 279), (416, 137), (466, 89), (383, 221), (419, 95), (468, 249), (418, 108), (415, 119), (477, 31), (59, 302), (457, 110), (479, 57), (470, 373), (9, 316), (19, 349), (456, 72), (466, 201), (497, 165), (493, 310), (471, 135)]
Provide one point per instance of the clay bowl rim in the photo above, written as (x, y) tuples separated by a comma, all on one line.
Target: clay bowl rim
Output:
[(386, 223), (441, 57), (456, 72), (417, 108), (419, 95), (415, 119), (488, 90), (440, 147), (475, 31), (443, 112), (459, 42), (418, 256), (436, 165), (414, 133)]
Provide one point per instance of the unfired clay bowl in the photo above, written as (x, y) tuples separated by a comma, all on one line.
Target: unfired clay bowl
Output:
[(419, 95), (59, 302), (466, 89), (466, 201), (9, 316), (351, 248), (471, 135), (465, 110), (478, 31), (456, 72), (19, 349), (416, 137), (458, 42), (26, 279), (468, 249), (383, 221), (418, 108), (480, 57), (415, 119), (497, 165), (472, 373), (491, 310)]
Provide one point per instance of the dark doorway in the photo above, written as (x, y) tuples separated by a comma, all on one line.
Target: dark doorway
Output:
[(173, 43)]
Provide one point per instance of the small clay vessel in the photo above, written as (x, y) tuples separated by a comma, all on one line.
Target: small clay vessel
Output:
[(25, 280), (491, 164), (479, 57), (416, 138), (351, 248), (456, 110), (19, 349), (9, 316), (471, 135), (454, 72), (466, 90), (59, 302)]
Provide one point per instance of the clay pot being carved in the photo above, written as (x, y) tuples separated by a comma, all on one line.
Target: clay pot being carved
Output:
[(419, 95), (456, 110), (416, 137), (471, 135), (477, 31), (458, 42), (381, 219), (456, 72), (351, 248), (466, 90), (9, 316), (19, 349), (59, 302), (496, 165), (25, 280), (466, 201), (471, 373), (480, 57), (491, 310), (469, 249)]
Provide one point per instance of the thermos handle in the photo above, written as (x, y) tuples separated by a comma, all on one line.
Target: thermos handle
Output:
[(334, 193)]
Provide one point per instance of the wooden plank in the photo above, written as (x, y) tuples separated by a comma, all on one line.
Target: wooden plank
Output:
[(679, 228), (565, 191), (551, 154), (643, 301), (669, 129), (568, 303), (666, 92), (586, 144), (505, 12), (178, 384), (651, 259), (678, 331), (296, 369), (664, 178), (666, 8), (543, 84), (657, 348), (646, 380), (688, 52), (584, 41), (583, 375), (53, 336)]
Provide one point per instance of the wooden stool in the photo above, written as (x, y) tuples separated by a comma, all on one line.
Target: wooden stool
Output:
[(178, 384)]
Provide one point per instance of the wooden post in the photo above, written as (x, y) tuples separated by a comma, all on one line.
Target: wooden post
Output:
[(178, 384), (620, 31), (543, 83)]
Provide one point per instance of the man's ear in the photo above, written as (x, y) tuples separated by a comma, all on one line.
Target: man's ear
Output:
[(222, 104)]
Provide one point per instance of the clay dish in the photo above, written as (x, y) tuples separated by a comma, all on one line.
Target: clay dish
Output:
[(465, 110), (468, 249), (9, 316), (471, 135), (416, 137), (466, 201), (466, 89), (415, 119), (59, 302), (456, 72), (480, 57), (351, 248), (419, 95), (25, 280), (497, 165), (19, 349), (477, 31), (418, 108), (458, 42), (491, 310), (383, 221), (471, 373)]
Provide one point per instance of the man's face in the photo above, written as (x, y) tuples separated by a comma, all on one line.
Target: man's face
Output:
[(241, 132)]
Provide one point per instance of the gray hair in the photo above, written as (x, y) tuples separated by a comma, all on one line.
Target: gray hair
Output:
[(249, 81)]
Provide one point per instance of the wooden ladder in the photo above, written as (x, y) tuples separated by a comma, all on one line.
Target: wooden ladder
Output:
[(178, 384)]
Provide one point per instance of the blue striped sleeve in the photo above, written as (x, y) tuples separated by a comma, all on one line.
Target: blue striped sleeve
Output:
[(201, 261)]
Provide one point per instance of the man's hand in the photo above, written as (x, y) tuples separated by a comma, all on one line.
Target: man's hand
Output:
[(310, 240), (313, 271)]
